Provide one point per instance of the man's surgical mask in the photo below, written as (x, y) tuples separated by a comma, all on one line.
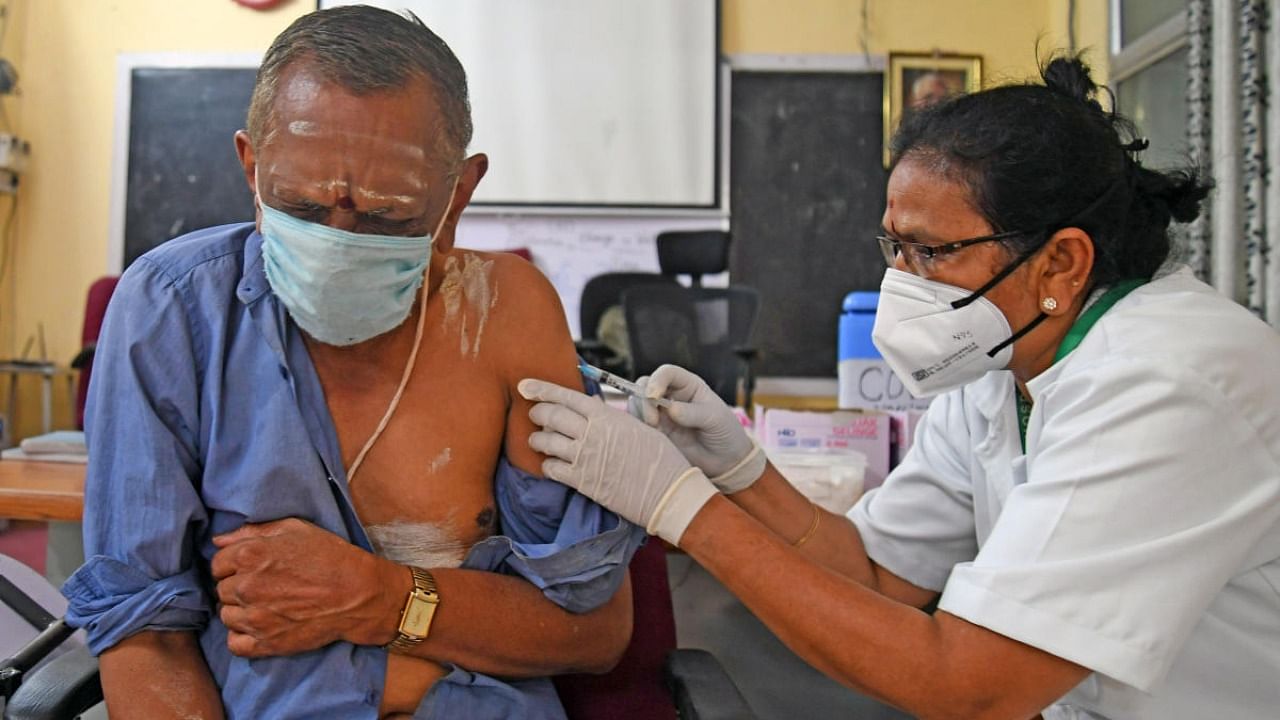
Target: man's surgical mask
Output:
[(342, 287), (939, 337)]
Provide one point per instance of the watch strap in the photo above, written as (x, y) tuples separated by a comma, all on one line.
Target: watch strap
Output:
[(423, 593)]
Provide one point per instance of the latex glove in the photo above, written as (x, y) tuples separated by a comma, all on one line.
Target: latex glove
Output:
[(702, 426), (615, 460)]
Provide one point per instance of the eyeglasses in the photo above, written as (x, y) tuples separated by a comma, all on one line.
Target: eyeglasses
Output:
[(918, 254)]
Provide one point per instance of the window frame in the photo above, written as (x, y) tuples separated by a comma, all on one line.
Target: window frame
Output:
[(1148, 49)]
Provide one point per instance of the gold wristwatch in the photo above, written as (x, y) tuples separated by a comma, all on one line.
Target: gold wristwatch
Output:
[(419, 609)]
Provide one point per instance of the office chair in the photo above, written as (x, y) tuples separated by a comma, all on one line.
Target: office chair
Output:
[(705, 330), (705, 253), (694, 253), (680, 252), (654, 680), (95, 308), (600, 293), (47, 673)]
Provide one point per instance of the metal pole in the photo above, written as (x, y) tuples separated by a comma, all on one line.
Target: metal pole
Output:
[(1199, 124), (1254, 152), (1225, 147)]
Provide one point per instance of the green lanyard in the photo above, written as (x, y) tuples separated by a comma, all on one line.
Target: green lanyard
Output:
[(1075, 335)]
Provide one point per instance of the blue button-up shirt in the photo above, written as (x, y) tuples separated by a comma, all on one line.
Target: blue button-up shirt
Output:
[(205, 412)]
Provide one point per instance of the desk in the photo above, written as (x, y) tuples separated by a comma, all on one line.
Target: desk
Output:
[(32, 490)]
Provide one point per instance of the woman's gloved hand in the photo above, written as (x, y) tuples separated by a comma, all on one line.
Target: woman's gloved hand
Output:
[(615, 460), (702, 426)]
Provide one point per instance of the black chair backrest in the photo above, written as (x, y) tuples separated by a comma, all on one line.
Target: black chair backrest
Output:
[(603, 291), (698, 328), (693, 252)]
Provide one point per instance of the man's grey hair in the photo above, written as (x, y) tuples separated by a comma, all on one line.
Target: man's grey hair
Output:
[(365, 50)]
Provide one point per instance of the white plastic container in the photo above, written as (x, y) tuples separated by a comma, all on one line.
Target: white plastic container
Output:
[(831, 479)]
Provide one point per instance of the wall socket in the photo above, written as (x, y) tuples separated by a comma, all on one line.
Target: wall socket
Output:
[(8, 182), (14, 152)]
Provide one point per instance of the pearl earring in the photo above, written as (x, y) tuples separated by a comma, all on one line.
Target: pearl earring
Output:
[(1049, 304)]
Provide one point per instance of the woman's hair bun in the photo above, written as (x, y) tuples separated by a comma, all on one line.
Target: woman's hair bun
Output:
[(1069, 75), (1180, 190)]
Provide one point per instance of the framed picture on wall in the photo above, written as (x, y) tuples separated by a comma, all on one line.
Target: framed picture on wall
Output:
[(914, 80)]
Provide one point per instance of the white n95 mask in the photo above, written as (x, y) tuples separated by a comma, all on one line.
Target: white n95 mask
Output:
[(342, 287), (939, 337)]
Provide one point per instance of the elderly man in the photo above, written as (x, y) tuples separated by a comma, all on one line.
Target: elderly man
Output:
[(310, 491)]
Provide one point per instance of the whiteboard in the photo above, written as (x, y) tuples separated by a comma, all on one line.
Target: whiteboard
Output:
[(587, 102), (572, 249)]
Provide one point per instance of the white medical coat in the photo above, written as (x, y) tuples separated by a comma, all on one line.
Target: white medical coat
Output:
[(1139, 536)]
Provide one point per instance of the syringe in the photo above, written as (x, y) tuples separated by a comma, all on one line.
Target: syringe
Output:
[(626, 387)]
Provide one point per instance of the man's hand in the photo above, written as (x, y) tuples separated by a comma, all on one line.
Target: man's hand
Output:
[(615, 460), (287, 587)]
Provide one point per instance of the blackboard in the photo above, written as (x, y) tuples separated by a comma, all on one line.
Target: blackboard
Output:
[(183, 173), (806, 187)]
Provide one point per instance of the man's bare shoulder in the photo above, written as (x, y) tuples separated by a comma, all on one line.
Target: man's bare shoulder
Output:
[(505, 291), (514, 269)]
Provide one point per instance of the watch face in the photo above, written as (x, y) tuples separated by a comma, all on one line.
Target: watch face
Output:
[(417, 615)]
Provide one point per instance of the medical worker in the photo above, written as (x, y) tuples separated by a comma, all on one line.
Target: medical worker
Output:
[(1093, 498)]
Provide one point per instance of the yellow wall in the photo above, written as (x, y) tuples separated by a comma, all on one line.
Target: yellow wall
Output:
[(1002, 31), (67, 67), (1091, 31), (65, 52)]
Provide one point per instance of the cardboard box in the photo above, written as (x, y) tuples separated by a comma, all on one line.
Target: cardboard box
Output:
[(868, 432)]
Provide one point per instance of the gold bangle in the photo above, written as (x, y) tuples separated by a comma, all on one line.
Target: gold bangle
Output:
[(813, 527)]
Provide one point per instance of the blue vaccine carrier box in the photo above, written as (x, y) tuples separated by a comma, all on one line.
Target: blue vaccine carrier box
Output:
[(864, 378)]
